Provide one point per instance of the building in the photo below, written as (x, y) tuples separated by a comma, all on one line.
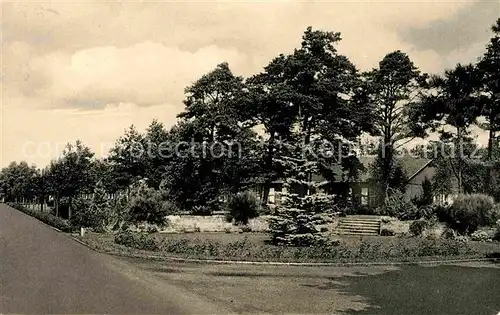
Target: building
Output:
[(417, 170)]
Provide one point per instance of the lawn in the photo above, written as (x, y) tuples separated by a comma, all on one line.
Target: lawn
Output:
[(429, 290), (369, 290)]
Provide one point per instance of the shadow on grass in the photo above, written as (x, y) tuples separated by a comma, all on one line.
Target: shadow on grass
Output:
[(427, 290)]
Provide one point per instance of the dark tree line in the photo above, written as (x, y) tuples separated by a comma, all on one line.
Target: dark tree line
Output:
[(313, 99)]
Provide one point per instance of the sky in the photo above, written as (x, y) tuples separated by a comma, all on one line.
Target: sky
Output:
[(88, 70)]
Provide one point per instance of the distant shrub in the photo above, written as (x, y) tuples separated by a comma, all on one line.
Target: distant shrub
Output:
[(265, 209), (442, 213), (329, 250), (387, 232), (137, 241), (427, 196), (93, 213), (385, 220), (321, 219), (201, 210), (418, 227), (449, 234), (119, 213), (416, 213), (397, 205), (83, 215), (480, 236), (242, 207), (149, 205), (496, 235), (469, 212), (246, 229), (63, 208)]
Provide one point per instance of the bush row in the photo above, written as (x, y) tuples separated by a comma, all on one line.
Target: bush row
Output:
[(136, 240), (400, 249), (465, 215), (45, 217), (469, 212)]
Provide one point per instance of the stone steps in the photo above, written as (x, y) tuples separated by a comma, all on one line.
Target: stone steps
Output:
[(359, 225)]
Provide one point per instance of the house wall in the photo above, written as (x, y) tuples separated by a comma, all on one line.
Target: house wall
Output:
[(274, 191), (364, 193), (414, 188)]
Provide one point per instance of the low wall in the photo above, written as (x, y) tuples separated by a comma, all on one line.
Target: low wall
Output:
[(213, 223), (217, 223)]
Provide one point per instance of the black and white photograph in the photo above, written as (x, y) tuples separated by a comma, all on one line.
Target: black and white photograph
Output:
[(250, 157)]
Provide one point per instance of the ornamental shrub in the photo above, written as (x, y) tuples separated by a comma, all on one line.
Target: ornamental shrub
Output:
[(480, 236), (149, 205), (496, 236), (418, 227), (242, 207), (398, 205), (92, 213), (469, 212), (387, 232), (137, 241)]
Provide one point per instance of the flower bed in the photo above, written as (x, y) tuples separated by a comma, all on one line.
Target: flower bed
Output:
[(252, 247)]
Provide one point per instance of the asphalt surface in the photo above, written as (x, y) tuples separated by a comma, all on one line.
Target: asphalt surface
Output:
[(45, 272)]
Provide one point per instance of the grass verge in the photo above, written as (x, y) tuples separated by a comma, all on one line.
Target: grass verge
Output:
[(45, 217), (252, 247)]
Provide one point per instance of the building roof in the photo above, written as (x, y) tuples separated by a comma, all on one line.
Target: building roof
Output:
[(411, 165)]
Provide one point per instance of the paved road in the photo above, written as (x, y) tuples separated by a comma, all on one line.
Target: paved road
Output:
[(43, 271)]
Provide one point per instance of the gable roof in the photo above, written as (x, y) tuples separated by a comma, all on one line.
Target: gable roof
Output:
[(411, 165)]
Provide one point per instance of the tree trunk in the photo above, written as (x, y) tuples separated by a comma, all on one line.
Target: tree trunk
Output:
[(269, 162), (57, 203), (265, 193), (42, 200), (460, 160), (491, 138), (387, 156), (69, 207)]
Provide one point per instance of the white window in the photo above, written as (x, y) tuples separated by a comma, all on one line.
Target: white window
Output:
[(272, 195), (349, 196), (364, 196)]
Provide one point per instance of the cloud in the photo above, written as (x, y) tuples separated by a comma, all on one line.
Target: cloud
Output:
[(145, 73), (37, 136), (469, 26), (88, 54)]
